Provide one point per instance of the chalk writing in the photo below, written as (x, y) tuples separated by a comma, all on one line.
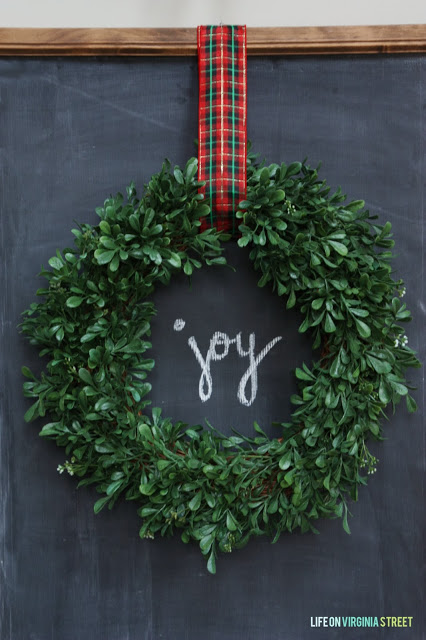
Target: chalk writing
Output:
[(219, 346)]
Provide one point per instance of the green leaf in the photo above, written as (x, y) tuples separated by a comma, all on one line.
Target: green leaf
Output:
[(355, 205), (49, 429), (374, 428), (203, 210), (178, 175), (88, 337), (354, 449), (163, 464), (317, 303), (148, 511), (282, 289), (147, 489), (411, 404), (114, 486), (134, 222), (27, 373), (104, 404), (363, 329), (339, 247), (385, 230), (289, 476), (195, 503), (187, 268), (320, 462), (281, 225), (329, 326), (303, 375), (230, 522), (85, 376), (381, 366), (32, 412), (285, 461), (211, 563), (345, 522), (135, 346), (291, 300), (74, 301), (258, 429), (336, 368), (99, 504), (107, 242), (293, 169), (145, 431), (339, 510), (103, 257), (278, 196), (396, 304), (400, 389), (104, 227), (244, 240), (264, 176), (206, 543), (115, 263), (191, 169), (56, 263), (362, 313), (385, 393), (175, 260)]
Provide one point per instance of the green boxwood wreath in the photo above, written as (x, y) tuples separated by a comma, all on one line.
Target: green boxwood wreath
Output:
[(324, 257)]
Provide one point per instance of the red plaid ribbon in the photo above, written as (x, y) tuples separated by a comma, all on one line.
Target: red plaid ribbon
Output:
[(222, 113)]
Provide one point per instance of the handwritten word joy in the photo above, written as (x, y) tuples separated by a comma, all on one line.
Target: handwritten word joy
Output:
[(218, 350)]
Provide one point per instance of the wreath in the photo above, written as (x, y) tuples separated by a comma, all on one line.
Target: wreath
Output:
[(325, 257)]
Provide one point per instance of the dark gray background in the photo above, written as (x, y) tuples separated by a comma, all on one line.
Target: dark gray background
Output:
[(74, 131)]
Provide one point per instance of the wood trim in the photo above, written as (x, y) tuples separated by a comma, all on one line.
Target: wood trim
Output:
[(183, 42)]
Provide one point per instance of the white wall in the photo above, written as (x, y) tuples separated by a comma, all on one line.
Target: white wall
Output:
[(190, 13)]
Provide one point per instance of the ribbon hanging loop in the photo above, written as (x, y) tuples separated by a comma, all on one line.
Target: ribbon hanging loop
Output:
[(222, 117)]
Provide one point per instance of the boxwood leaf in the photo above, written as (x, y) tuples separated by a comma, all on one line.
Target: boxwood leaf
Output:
[(206, 543), (329, 325), (175, 260), (32, 412), (230, 522), (381, 366), (74, 301), (411, 404), (211, 563), (99, 504), (104, 227), (285, 461), (244, 240), (103, 257), (195, 503), (339, 247), (56, 263), (363, 329), (317, 303)]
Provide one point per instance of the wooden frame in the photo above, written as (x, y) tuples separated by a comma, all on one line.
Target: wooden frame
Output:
[(182, 42)]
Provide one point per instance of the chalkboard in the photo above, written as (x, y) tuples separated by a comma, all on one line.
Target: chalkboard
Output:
[(75, 130)]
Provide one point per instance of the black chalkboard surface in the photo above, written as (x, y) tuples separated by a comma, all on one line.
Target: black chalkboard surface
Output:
[(72, 132)]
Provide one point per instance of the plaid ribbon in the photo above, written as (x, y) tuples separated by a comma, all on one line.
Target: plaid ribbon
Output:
[(222, 116)]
